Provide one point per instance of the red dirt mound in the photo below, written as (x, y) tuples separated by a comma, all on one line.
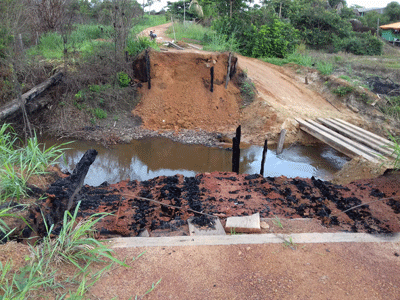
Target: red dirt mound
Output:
[(180, 95)]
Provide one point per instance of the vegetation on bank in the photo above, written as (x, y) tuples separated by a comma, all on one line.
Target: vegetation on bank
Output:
[(21, 163)]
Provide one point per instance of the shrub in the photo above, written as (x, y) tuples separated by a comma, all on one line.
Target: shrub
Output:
[(123, 79), (326, 68), (99, 113), (276, 39), (343, 90), (359, 44), (136, 46), (221, 43)]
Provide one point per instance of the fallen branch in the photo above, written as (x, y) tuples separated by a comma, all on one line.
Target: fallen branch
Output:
[(14, 105)]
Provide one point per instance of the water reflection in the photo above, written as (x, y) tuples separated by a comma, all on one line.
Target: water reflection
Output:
[(149, 158)]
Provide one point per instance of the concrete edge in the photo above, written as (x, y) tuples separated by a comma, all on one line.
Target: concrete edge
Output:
[(269, 238)]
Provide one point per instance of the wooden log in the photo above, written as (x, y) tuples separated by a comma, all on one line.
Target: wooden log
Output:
[(148, 70), (212, 79), (264, 154), (281, 141), (229, 70), (13, 106)]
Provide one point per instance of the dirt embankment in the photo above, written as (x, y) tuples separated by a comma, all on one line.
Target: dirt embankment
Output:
[(181, 98)]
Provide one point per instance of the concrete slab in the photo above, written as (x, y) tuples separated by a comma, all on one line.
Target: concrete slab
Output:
[(297, 238), (195, 230), (246, 224)]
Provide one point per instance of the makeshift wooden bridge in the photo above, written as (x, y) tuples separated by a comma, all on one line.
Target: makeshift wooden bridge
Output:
[(349, 139)]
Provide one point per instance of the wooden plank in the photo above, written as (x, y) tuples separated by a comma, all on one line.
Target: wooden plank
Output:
[(356, 145), (367, 133), (349, 132), (281, 141), (171, 44), (364, 134), (333, 141), (195, 230)]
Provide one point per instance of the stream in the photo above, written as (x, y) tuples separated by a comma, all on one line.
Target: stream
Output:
[(151, 157)]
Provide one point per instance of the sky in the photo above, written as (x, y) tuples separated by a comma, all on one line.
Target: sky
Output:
[(364, 3), (369, 3)]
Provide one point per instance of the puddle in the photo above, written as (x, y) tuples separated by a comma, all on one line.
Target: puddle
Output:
[(152, 157)]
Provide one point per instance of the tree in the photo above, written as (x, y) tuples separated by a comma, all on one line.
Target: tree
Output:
[(392, 10), (319, 26), (371, 19)]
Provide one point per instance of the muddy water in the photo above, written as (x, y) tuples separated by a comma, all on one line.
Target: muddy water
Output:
[(152, 157)]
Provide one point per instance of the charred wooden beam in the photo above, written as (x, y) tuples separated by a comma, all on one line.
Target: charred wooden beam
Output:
[(62, 193), (236, 150), (264, 154), (148, 69), (212, 79)]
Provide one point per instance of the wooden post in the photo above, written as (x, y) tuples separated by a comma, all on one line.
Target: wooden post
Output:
[(239, 133), (229, 70), (236, 150), (148, 69), (21, 43), (281, 141), (212, 79), (263, 157), (235, 155)]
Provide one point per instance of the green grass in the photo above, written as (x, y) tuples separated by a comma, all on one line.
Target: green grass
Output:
[(190, 31), (345, 77), (99, 113), (74, 245), (277, 222), (325, 68), (343, 90), (19, 164)]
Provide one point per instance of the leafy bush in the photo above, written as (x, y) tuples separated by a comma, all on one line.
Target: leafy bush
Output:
[(276, 39), (318, 26), (359, 44), (123, 79)]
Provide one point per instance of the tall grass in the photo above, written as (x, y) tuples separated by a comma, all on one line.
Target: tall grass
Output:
[(221, 43), (325, 68), (190, 31), (19, 164), (75, 245)]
